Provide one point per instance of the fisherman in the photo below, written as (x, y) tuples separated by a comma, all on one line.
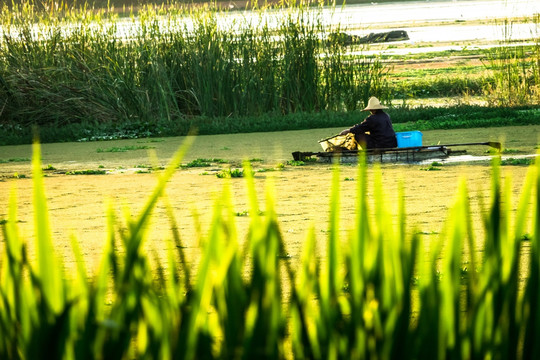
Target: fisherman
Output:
[(376, 130)]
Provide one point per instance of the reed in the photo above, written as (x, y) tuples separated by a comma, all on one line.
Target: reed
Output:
[(185, 66), (76, 65), (376, 293), (516, 72)]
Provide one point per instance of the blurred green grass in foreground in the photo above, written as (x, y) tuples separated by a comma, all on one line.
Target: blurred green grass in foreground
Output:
[(374, 294)]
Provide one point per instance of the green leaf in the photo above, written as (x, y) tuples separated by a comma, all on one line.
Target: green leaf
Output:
[(50, 269)]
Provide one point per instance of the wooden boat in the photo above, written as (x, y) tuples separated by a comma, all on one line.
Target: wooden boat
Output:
[(413, 154)]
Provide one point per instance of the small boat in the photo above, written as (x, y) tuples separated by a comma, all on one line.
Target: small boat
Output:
[(409, 150)]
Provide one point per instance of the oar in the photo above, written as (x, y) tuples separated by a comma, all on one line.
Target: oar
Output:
[(328, 138), (493, 144)]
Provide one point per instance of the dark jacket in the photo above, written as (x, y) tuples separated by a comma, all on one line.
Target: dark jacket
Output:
[(380, 128)]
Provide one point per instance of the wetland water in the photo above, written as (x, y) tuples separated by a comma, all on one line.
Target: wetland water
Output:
[(442, 21), (77, 203), (436, 11), (451, 19)]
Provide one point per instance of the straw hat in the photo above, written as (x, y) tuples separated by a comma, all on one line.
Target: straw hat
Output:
[(374, 104)]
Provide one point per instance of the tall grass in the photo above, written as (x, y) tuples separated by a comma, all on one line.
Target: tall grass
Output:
[(376, 293), (186, 66), (516, 73), (80, 64)]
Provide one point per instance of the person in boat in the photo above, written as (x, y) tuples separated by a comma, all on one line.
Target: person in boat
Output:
[(376, 131)]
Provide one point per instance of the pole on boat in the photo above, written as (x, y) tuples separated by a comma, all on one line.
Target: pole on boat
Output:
[(493, 144), (328, 138)]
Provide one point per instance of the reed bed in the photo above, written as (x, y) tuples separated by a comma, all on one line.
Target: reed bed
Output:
[(82, 65), (166, 69), (377, 293), (516, 71)]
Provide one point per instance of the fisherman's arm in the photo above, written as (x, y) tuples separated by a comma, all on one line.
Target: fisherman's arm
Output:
[(363, 127)]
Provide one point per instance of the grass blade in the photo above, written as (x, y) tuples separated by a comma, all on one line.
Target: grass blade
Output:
[(49, 270)]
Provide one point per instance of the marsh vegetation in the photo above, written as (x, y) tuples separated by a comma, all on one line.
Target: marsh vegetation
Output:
[(377, 289), (164, 70)]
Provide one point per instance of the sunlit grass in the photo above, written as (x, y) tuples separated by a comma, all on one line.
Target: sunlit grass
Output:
[(377, 292)]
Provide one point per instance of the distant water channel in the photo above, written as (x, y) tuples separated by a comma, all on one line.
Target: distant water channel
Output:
[(454, 15), (449, 17), (361, 19), (436, 11)]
